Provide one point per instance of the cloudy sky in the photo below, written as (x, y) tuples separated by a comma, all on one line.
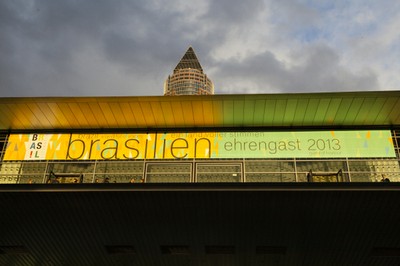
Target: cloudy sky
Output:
[(104, 47)]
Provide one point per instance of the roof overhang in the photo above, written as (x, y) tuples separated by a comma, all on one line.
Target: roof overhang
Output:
[(300, 110)]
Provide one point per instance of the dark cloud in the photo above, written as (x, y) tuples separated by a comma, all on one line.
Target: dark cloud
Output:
[(318, 70), (43, 39), (235, 12), (120, 47)]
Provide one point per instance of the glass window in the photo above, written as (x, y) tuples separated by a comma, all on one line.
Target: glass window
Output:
[(168, 172), (270, 177), (23, 172), (322, 171), (320, 166), (374, 170), (33, 172), (218, 172), (71, 172), (119, 172), (269, 166)]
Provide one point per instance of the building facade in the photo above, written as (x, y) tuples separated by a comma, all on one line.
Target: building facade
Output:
[(188, 78), (339, 137), (266, 179)]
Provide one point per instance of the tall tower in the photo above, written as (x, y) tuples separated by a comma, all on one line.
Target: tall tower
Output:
[(188, 78)]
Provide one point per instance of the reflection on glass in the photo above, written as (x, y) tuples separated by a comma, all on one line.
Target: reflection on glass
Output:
[(219, 177), (374, 170), (226, 170), (168, 178), (321, 166), (68, 167), (168, 173), (207, 172), (270, 177), (269, 166)]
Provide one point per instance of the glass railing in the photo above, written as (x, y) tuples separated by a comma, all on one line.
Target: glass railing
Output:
[(201, 171)]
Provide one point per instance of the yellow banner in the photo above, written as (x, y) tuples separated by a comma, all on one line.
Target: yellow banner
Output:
[(170, 145), (37, 147), (139, 146)]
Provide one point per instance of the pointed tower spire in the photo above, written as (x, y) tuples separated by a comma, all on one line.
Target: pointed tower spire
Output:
[(189, 60), (188, 78)]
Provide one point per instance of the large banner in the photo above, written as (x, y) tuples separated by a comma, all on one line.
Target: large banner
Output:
[(213, 145)]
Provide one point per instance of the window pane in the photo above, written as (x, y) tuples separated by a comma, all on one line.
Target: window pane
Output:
[(218, 177), (168, 172), (119, 172), (374, 170), (168, 178), (219, 172), (269, 166), (321, 166), (268, 177)]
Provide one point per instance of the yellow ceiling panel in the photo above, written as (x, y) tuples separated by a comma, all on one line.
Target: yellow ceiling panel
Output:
[(138, 114), (208, 113), (199, 113), (91, 120), (188, 115), (48, 112), (117, 114), (159, 116), (32, 119), (152, 112), (5, 119), (19, 117), (178, 113), (168, 112), (69, 114), (46, 121), (147, 113), (108, 114), (11, 117), (218, 112), (81, 117), (55, 108), (127, 112)]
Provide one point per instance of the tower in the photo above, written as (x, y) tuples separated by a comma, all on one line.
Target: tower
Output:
[(188, 78)]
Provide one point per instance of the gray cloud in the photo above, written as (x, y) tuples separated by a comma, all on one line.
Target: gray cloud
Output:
[(73, 48), (319, 70), (230, 12)]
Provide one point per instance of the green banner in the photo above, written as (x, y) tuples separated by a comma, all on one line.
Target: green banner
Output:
[(310, 144)]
